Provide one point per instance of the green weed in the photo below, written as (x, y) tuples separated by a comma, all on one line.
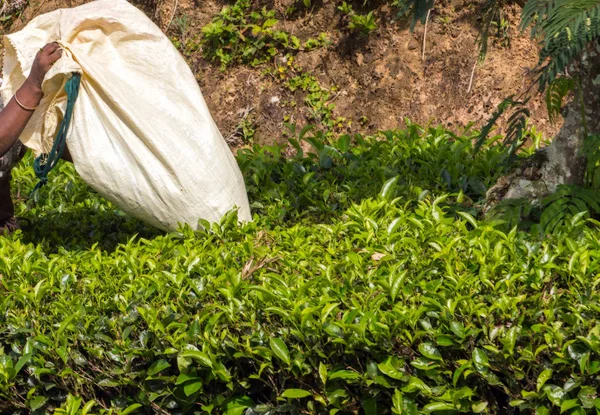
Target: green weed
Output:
[(240, 34), (318, 98), (362, 23), (183, 41), (11, 10)]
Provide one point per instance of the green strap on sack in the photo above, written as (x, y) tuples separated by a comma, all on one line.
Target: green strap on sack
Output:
[(43, 164)]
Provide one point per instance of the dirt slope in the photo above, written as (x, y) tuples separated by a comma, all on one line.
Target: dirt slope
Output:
[(375, 81)]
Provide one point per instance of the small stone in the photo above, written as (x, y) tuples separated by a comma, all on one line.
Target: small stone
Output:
[(412, 44), (360, 59)]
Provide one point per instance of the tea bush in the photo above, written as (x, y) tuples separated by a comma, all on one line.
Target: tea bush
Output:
[(364, 285)]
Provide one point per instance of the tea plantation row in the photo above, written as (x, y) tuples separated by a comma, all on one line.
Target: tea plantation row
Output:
[(364, 285)]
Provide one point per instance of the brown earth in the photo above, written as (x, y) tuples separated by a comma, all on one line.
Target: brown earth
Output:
[(381, 78)]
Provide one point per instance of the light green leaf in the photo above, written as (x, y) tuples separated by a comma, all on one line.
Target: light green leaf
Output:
[(323, 372), (480, 359), (438, 406), (587, 395), (543, 378), (416, 385), (569, 404), (192, 387), (108, 383), (388, 188), (280, 349), (397, 402), (388, 368), (510, 340), (542, 410), (469, 218), (22, 362), (37, 402), (554, 394), (295, 393), (185, 377), (198, 356), (157, 367), (430, 351), (130, 409), (237, 406), (396, 280), (87, 407), (479, 407), (344, 375)]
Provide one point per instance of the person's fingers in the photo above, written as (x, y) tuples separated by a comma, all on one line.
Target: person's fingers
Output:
[(51, 47), (55, 56), (58, 52)]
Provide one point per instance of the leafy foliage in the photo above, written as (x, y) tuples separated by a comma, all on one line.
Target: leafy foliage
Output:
[(492, 16), (364, 283), (240, 34), (362, 23), (418, 10), (513, 212), (566, 203), (517, 125), (566, 27), (10, 10), (569, 206), (556, 92), (317, 97)]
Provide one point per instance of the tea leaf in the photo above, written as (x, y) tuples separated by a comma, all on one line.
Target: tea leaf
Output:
[(280, 349), (295, 393)]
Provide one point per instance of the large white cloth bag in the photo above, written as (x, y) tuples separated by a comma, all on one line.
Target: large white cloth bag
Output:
[(141, 134)]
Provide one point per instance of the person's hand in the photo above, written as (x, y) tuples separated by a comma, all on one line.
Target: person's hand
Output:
[(44, 60)]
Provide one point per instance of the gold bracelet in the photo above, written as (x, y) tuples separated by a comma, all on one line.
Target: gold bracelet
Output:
[(21, 105)]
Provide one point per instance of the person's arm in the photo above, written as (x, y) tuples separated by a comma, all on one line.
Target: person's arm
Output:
[(19, 110)]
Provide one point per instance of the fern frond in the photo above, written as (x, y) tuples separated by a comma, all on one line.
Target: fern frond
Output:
[(565, 27), (533, 15), (557, 90), (566, 203), (517, 123), (490, 11), (511, 211), (417, 8)]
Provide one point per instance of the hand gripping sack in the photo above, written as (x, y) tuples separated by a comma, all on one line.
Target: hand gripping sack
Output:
[(141, 134)]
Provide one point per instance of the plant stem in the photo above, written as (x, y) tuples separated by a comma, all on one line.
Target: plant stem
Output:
[(472, 75), (425, 33), (172, 15)]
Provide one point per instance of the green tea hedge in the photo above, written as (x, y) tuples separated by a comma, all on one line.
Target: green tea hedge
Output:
[(364, 285)]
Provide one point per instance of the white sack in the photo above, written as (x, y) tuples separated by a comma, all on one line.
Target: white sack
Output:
[(141, 134)]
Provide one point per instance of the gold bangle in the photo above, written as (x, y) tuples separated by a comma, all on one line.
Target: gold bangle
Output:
[(21, 105)]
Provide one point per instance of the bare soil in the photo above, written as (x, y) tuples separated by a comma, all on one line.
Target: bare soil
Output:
[(382, 78)]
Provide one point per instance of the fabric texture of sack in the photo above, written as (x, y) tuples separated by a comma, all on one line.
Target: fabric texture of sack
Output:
[(141, 134)]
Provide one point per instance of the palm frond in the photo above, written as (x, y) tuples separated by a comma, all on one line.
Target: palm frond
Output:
[(565, 28), (565, 204), (418, 10), (556, 91), (517, 123), (490, 12), (512, 212)]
